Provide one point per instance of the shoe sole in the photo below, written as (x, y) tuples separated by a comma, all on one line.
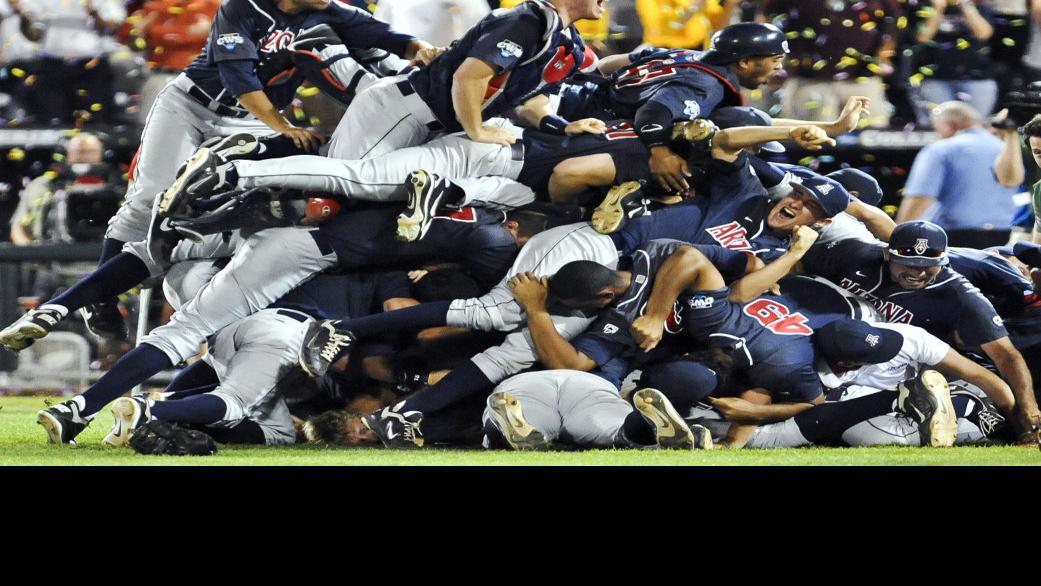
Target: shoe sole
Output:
[(22, 336), (610, 214), (943, 425), (176, 191), (506, 410), (702, 437), (670, 431), (245, 145), (124, 412), (413, 226), (51, 425)]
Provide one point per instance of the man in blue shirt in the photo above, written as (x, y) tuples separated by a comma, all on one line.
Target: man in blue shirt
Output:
[(951, 173)]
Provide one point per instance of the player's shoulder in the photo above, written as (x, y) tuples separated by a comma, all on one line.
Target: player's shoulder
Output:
[(342, 11)]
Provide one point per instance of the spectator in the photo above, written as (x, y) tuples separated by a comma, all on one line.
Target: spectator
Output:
[(1009, 41), (949, 183), (952, 59), (838, 49), (172, 32), (439, 23), (682, 24), (71, 78), (1032, 54), (1032, 132)]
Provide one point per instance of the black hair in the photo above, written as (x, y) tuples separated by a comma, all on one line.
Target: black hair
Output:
[(529, 223), (1033, 128), (447, 284), (582, 280)]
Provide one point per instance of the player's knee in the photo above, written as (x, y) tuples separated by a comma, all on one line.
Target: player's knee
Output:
[(234, 408)]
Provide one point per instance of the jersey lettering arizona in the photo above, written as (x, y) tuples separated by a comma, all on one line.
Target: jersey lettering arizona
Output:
[(732, 236), (777, 318), (892, 312), (276, 41)]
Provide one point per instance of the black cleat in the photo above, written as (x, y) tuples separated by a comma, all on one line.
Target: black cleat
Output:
[(29, 328), (927, 400), (322, 344), (104, 320), (127, 414), (161, 240), (425, 192), (200, 168), (622, 203), (62, 423), (670, 430), (506, 414), (234, 147), (396, 429)]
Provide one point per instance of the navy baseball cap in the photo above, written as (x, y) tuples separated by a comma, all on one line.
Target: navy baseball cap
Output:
[(918, 244), (853, 340), (734, 116), (1028, 253), (868, 190), (830, 194)]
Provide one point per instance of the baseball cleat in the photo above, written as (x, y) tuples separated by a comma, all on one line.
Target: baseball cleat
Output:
[(508, 417), (234, 147), (127, 414), (621, 203), (161, 240), (670, 430), (425, 191), (198, 167), (927, 400), (395, 429), (29, 328), (322, 345), (104, 320), (62, 423), (694, 130)]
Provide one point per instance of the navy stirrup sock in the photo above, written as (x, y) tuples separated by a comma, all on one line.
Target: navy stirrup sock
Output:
[(424, 315), (134, 368), (110, 247), (119, 274), (464, 381), (198, 409)]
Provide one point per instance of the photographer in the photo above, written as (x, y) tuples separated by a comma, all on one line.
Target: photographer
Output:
[(1012, 167)]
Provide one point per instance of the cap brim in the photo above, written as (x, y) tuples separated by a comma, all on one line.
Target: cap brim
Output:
[(918, 261), (772, 147)]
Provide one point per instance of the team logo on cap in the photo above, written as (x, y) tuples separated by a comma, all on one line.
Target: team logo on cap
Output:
[(509, 49), (825, 189), (692, 109), (872, 340), (921, 245)]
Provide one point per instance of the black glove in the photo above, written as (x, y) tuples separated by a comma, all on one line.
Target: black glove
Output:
[(160, 438)]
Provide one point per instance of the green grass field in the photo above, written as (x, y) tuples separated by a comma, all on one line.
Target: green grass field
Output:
[(23, 442)]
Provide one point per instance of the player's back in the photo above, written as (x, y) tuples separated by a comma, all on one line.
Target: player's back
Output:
[(652, 69)]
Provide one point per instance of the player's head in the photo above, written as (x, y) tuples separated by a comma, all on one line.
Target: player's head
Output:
[(338, 428), (752, 50), (950, 117), (735, 116), (859, 184), (524, 224), (916, 253), (580, 9), (584, 284), (812, 202), (848, 344), (84, 148), (1032, 131), (300, 5)]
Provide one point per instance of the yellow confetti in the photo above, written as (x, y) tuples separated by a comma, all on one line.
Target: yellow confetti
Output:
[(868, 157), (812, 104), (847, 23), (140, 43), (308, 92), (869, 26), (792, 34), (17, 72), (927, 71), (880, 13), (820, 64), (95, 107), (81, 92), (845, 62), (916, 80), (901, 23), (16, 154), (30, 80), (875, 68), (962, 44), (825, 22), (315, 120), (1008, 42), (176, 10), (809, 33), (50, 174), (805, 161), (91, 64)]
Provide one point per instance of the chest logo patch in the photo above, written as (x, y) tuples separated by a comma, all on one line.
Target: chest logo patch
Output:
[(229, 40), (508, 48)]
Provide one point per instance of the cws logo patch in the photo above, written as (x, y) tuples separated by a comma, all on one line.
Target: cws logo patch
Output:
[(610, 329), (508, 48), (229, 40), (732, 236)]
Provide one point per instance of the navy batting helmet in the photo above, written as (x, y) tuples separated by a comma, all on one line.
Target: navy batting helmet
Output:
[(745, 39)]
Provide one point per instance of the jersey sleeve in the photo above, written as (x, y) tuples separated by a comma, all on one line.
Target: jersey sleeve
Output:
[(929, 349), (730, 263), (978, 322), (829, 261), (674, 102), (360, 30), (606, 339), (508, 42), (231, 36)]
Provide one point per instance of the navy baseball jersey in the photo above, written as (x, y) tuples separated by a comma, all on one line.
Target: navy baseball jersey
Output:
[(473, 237), (608, 341), (543, 152), (342, 296), (949, 306), (527, 45), (1012, 296), (255, 31)]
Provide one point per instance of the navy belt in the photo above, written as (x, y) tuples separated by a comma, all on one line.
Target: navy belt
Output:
[(517, 151), (405, 87), (298, 316), (218, 108)]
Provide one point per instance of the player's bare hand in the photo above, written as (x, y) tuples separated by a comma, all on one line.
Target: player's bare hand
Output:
[(1028, 424), (735, 409), (802, 240), (669, 169), (849, 118), (585, 126), (494, 135), (812, 138), (304, 139), (647, 331), (426, 55), (530, 291), (415, 276)]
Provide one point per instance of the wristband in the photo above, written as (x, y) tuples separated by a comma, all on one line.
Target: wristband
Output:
[(553, 124)]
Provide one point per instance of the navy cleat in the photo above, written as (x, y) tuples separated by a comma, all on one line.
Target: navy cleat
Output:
[(104, 320), (199, 168), (622, 203), (508, 418), (322, 344), (927, 400), (425, 194), (394, 428), (29, 328), (670, 430), (62, 423)]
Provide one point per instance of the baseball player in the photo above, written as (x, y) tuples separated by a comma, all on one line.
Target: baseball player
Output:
[(226, 91), (907, 282), (507, 58)]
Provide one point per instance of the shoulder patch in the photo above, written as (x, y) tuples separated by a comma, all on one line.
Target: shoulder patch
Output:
[(229, 40), (508, 48), (610, 329)]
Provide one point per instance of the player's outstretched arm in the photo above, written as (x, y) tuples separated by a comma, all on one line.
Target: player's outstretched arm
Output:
[(877, 222), (849, 119), (260, 106), (1014, 370), (728, 143), (956, 366), (755, 284)]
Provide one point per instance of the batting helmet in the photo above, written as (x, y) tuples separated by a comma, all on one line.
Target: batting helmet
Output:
[(745, 39)]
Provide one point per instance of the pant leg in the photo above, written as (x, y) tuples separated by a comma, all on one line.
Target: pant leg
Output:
[(495, 192), (379, 121), (213, 246), (270, 264), (592, 411), (784, 434), (538, 396), (517, 351), (981, 93)]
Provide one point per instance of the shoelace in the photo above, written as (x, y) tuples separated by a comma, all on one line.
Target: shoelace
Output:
[(989, 421), (334, 344)]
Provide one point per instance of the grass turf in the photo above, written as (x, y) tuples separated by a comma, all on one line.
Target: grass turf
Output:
[(23, 442)]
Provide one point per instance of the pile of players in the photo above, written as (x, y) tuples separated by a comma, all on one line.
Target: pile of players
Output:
[(523, 247)]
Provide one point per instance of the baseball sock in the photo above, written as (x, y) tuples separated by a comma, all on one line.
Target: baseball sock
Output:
[(276, 147), (109, 247), (197, 375), (637, 430), (133, 368), (1028, 252), (424, 315), (110, 279), (824, 424), (205, 408), (464, 381)]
